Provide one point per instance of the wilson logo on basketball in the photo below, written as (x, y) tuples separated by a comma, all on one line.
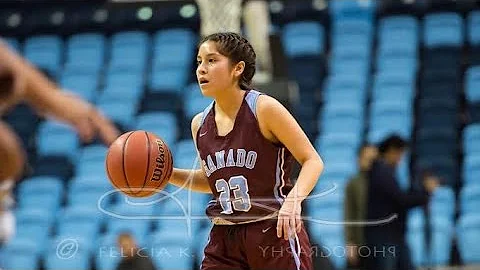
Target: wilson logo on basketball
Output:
[(159, 162)]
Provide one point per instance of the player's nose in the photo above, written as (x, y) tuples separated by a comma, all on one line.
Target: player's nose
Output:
[(201, 70)]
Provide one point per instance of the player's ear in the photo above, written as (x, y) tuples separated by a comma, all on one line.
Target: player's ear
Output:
[(238, 69)]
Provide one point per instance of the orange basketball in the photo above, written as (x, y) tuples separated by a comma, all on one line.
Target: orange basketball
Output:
[(139, 163)]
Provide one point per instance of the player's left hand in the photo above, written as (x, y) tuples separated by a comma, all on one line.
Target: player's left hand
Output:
[(87, 120), (289, 218)]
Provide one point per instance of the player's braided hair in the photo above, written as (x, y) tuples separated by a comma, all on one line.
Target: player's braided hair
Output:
[(236, 48)]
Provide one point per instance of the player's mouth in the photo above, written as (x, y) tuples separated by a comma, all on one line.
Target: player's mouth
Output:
[(202, 81)]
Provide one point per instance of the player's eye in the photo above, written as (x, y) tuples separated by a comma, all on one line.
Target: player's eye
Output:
[(211, 60), (199, 62)]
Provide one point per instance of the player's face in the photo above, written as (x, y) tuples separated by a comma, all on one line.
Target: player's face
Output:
[(214, 70)]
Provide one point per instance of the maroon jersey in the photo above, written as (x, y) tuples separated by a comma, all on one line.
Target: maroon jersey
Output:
[(248, 174)]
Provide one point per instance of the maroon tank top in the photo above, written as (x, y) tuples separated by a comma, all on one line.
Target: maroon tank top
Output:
[(248, 174)]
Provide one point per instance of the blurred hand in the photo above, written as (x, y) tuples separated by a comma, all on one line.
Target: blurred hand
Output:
[(289, 218), (86, 119), (431, 183)]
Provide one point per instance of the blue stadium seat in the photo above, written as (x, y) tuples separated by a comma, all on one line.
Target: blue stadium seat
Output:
[(341, 81), (85, 52), (471, 139), (185, 154), (85, 85), (441, 242), (328, 237), (174, 47), (469, 198), (34, 224), (351, 66), (78, 259), (468, 235), (339, 141), (472, 78), (56, 138), (87, 188), (400, 92), (122, 93), (303, 39), (78, 221), (327, 207), (93, 153), (349, 27), (21, 254), (41, 201), (167, 79), (416, 237), (443, 29), (44, 52), (442, 203), (129, 50), (40, 185), (174, 35), (195, 102), (397, 63), (398, 36), (121, 112), (162, 124), (399, 22), (473, 28)]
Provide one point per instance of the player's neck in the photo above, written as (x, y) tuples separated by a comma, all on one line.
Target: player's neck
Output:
[(229, 102)]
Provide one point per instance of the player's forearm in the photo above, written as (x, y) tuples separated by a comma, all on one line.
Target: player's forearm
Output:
[(38, 88), (307, 179), (195, 180)]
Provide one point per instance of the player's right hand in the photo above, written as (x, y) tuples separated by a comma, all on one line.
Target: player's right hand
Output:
[(289, 218)]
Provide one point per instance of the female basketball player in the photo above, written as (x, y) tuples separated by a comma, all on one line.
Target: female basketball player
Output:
[(246, 142)]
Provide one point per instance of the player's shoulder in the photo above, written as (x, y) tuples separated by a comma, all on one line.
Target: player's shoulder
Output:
[(267, 105), (196, 120)]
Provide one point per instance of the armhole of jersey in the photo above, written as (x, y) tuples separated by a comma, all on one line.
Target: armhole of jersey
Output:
[(204, 114), (251, 99)]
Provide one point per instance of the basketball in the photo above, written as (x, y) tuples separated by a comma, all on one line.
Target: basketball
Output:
[(139, 163)]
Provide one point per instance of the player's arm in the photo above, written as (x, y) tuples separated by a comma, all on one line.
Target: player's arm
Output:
[(198, 177), (38, 91), (12, 156), (275, 119)]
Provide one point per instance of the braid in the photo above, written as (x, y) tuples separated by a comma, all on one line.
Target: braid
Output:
[(237, 48)]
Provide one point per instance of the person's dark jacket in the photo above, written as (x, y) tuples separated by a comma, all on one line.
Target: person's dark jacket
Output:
[(385, 200), (139, 261)]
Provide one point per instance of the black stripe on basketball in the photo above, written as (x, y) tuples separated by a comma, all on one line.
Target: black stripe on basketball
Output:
[(170, 155), (148, 161), (123, 159)]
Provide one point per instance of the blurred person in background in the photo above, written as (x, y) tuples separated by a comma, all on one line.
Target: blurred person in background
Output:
[(226, 16), (388, 202), (21, 82), (356, 204), (133, 258)]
